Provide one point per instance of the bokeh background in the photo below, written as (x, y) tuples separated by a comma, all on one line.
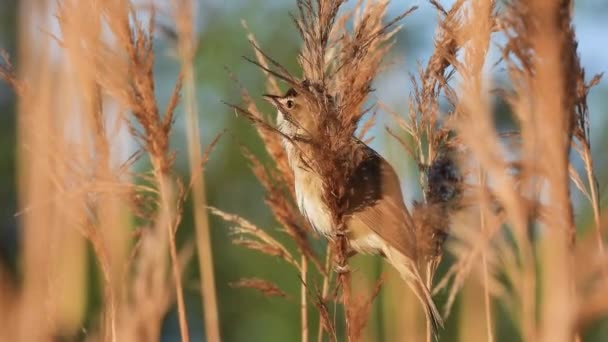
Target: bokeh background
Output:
[(247, 315)]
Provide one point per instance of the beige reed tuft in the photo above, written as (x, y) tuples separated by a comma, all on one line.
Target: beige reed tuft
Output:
[(509, 224), (82, 93), (499, 202)]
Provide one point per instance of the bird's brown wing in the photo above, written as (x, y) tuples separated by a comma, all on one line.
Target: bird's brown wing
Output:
[(377, 202)]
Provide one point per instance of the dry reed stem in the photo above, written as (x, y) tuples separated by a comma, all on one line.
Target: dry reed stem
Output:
[(591, 281), (264, 286), (107, 234), (595, 200), (484, 265), (477, 32), (166, 219), (32, 324), (141, 100), (304, 298), (187, 48), (477, 135), (582, 134), (110, 71), (550, 85), (325, 289), (363, 304), (138, 45), (471, 313), (110, 297), (326, 323)]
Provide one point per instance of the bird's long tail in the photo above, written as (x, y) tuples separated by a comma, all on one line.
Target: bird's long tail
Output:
[(412, 277)]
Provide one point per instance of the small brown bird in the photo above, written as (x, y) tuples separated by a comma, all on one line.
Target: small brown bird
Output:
[(378, 221)]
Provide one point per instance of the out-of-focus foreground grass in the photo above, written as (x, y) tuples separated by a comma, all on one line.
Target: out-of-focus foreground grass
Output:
[(89, 201)]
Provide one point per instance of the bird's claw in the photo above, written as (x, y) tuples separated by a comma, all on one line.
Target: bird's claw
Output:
[(342, 269), (340, 233)]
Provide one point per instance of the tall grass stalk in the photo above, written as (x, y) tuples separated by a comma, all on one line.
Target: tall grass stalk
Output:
[(304, 298), (184, 17), (484, 264)]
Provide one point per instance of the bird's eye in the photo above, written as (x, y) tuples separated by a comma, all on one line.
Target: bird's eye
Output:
[(289, 104)]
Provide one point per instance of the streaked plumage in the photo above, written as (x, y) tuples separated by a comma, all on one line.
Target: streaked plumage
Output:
[(378, 221)]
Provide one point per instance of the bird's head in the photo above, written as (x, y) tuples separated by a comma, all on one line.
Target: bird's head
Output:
[(294, 114)]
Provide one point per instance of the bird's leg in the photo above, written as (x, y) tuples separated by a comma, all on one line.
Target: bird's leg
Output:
[(343, 233), (342, 269), (345, 269)]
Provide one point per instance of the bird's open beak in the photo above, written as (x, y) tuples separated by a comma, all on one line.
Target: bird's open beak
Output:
[(273, 99)]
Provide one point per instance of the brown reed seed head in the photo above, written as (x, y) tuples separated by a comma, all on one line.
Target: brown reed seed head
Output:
[(334, 95), (263, 286)]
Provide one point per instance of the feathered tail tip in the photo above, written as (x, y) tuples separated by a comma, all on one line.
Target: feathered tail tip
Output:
[(434, 317), (410, 274), (430, 310)]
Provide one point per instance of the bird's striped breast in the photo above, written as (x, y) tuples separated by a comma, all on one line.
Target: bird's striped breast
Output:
[(309, 193)]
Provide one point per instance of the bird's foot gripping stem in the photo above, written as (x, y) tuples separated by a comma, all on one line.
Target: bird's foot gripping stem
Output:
[(342, 269)]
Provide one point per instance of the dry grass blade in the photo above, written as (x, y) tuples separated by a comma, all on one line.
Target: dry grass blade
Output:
[(187, 46), (265, 287), (264, 243), (264, 248), (325, 321)]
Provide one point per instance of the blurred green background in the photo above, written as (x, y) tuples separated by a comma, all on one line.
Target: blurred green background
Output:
[(246, 315)]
